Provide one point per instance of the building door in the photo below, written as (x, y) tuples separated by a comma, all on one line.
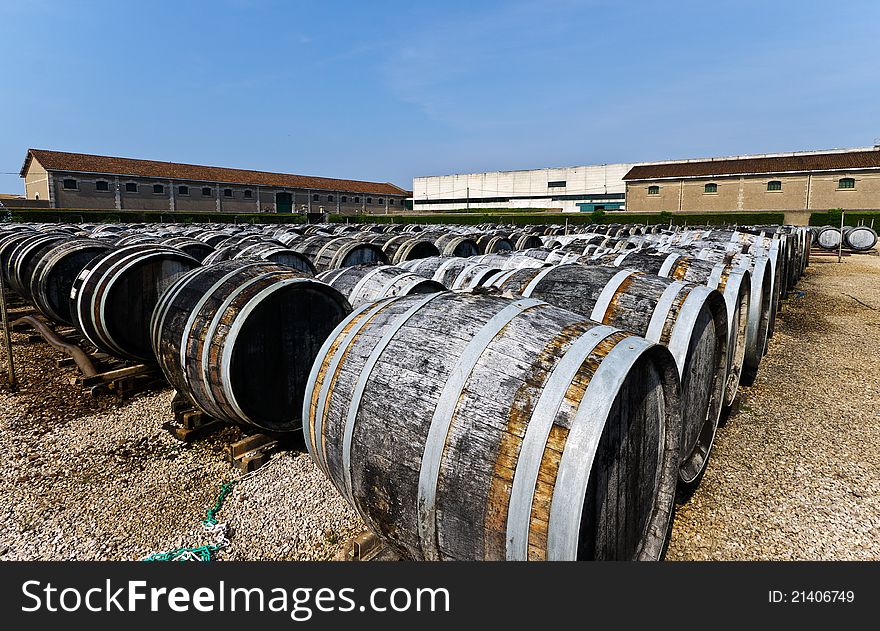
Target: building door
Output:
[(283, 202)]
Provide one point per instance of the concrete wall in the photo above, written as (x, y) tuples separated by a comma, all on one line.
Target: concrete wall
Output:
[(36, 182), (519, 189), (799, 192)]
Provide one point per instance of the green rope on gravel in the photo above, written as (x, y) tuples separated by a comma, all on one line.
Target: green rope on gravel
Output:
[(210, 524)]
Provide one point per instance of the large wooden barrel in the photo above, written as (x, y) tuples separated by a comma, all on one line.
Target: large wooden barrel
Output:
[(369, 283), (263, 251), (471, 427), (828, 238), (507, 261), (113, 298), (452, 272), (406, 247), (328, 252), (690, 319), (733, 282), (860, 238), (55, 273), (524, 241), (195, 248), (24, 256), (238, 339), (492, 244), (452, 244)]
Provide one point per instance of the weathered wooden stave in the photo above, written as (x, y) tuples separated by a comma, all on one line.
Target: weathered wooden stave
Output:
[(329, 252), (368, 283), (485, 364), (55, 272), (113, 298), (238, 338), (690, 319)]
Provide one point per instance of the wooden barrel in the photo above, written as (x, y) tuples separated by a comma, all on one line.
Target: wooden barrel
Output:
[(860, 238), (8, 242), (476, 427), (113, 298), (690, 319), (492, 244), (828, 238), (273, 253), (195, 248), (452, 244), (238, 339), (405, 247), (507, 260), (327, 252), (452, 272), (213, 237), (23, 257), (525, 241), (734, 284), (55, 273), (369, 283)]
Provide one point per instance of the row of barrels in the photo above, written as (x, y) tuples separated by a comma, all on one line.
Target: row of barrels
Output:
[(539, 411)]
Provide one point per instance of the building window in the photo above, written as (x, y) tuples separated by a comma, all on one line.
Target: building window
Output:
[(344, 199), (380, 201), (357, 200), (391, 202), (102, 185), (227, 192), (711, 187), (329, 198), (183, 190), (653, 190), (131, 187), (369, 200), (248, 194), (316, 198), (556, 184), (158, 189), (846, 182), (69, 184), (206, 191), (774, 185)]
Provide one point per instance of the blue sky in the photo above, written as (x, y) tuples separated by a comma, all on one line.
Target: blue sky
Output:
[(391, 90)]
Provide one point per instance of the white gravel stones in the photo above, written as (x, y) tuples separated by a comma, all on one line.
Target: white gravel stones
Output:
[(795, 473)]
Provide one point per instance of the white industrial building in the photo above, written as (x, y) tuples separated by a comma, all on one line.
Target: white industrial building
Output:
[(569, 189)]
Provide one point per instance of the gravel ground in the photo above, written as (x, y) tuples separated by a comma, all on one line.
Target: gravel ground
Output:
[(89, 480), (795, 472)]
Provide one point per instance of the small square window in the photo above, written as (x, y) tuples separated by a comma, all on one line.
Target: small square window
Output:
[(329, 198), (391, 202), (774, 185), (131, 187), (183, 190), (158, 189), (344, 199), (102, 185), (69, 184), (227, 192), (357, 200), (369, 200), (846, 182), (653, 190), (248, 194), (206, 191), (316, 198), (380, 201)]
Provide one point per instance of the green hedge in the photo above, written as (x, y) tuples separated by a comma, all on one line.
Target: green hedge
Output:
[(572, 218), (853, 218)]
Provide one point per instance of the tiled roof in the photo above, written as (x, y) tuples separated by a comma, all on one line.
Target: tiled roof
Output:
[(849, 160), (86, 163)]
